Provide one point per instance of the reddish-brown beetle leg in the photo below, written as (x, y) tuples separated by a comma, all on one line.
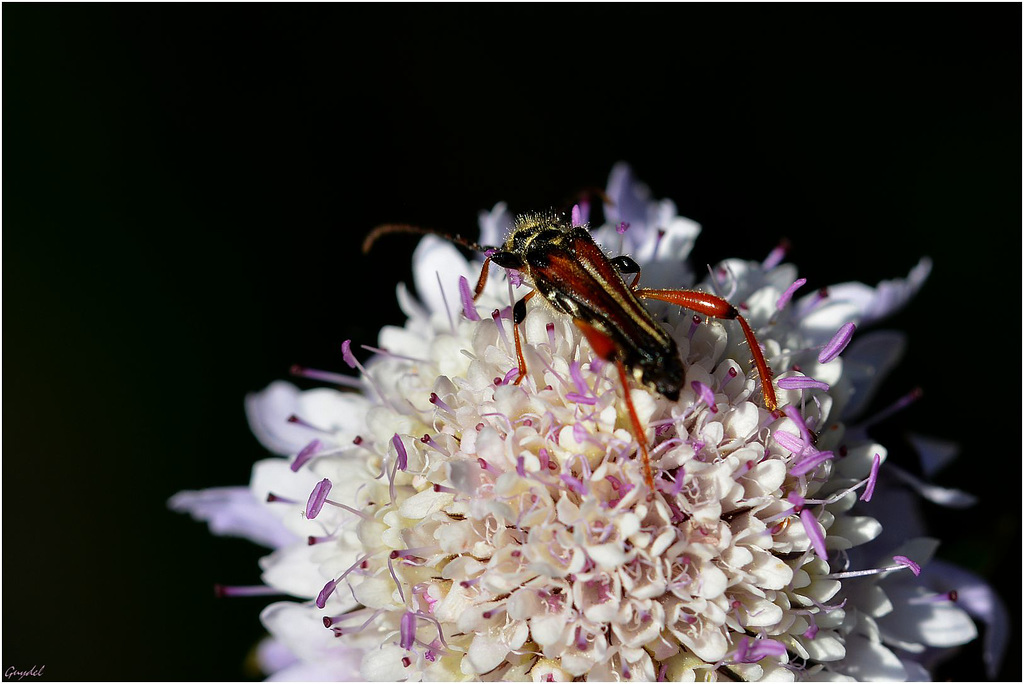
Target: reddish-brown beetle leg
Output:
[(518, 315), (638, 430), (605, 348), (482, 280), (716, 307)]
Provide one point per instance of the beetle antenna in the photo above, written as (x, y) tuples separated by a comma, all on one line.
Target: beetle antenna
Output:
[(389, 228)]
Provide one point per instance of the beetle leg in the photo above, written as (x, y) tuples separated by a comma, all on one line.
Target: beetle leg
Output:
[(482, 280), (716, 307), (518, 316), (605, 348), (638, 430)]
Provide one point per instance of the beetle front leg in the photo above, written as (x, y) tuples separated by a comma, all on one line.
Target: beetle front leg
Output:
[(518, 316), (482, 280), (716, 307)]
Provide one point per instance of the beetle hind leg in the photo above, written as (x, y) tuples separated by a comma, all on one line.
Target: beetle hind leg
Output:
[(716, 307)]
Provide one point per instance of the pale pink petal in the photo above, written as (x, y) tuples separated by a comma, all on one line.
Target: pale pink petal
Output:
[(234, 512), (866, 363), (273, 656), (934, 454), (435, 257), (495, 225), (268, 413), (975, 596), (300, 629)]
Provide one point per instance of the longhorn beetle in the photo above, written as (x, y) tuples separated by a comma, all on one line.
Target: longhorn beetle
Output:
[(575, 277)]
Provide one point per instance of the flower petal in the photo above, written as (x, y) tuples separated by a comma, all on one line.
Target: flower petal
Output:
[(300, 629), (435, 258), (977, 597), (234, 512), (870, 661)]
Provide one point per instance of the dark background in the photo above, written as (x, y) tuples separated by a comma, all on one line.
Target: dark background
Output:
[(187, 186)]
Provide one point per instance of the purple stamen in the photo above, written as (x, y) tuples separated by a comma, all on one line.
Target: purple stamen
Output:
[(354, 511), (753, 650), (312, 540), (694, 324), (403, 455), (326, 376), (657, 243), (550, 327), (907, 563), (307, 453), (576, 373), (447, 490), (346, 354), (936, 598), (417, 552), (811, 632), (837, 344), (439, 403), (775, 256), (578, 398), (444, 298), (796, 499), (798, 382), (224, 591), (809, 462), (317, 498), (325, 593), (622, 228), (574, 484), (496, 317), (706, 394), (274, 498), (581, 640), (394, 578), (811, 304), (788, 294), (295, 420), (675, 487), (510, 376), (515, 278), (468, 306), (788, 441), (869, 490), (521, 466), (576, 219), (542, 454), (430, 442), (487, 466), (330, 621), (408, 631), (793, 414), (900, 404), (814, 533), (391, 354), (579, 432)]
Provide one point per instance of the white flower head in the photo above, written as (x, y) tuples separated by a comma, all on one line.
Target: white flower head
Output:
[(454, 521)]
